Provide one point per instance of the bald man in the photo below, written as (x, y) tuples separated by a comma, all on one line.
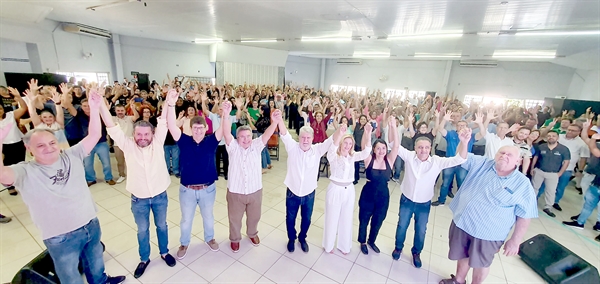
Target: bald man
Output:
[(494, 197)]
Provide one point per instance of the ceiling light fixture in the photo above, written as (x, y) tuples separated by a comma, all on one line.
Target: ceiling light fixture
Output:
[(438, 55), (258, 40), (324, 39), (525, 54), (557, 33), (424, 36), (208, 40), (371, 54)]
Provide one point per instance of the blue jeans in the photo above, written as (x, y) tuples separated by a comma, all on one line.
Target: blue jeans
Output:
[(421, 212), (448, 176), (82, 244), (293, 203), (88, 162), (266, 157), (188, 199), (563, 181), (172, 158), (591, 200), (141, 213)]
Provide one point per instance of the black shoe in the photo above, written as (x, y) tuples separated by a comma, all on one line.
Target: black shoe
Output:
[(355, 182), (374, 247), (417, 260), (557, 207), (574, 218), (304, 246), (573, 224), (579, 190), (115, 280), (396, 254), (291, 246), (450, 194), (597, 238), (549, 213), (225, 177), (597, 227), (177, 175), (141, 268), (437, 203), (363, 249), (169, 259)]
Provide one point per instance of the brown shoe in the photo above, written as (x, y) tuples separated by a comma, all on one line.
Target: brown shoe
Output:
[(255, 241), (182, 252), (235, 246), (213, 245), (451, 280), (90, 183), (111, 182)]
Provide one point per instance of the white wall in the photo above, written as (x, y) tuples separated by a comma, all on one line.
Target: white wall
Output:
[(13, 50), (523, 80), (303, 70), (226, 52), (591, 87), (415, 75), (157, 58)]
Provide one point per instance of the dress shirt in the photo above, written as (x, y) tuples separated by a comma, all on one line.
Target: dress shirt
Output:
[(126, 124), (342, 168), (147, 174), (420, 176), (487, 205), (493, 143), (303, 167), (245, 169), (577, 147)]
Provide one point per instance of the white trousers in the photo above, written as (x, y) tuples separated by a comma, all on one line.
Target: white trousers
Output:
[(339, 212)]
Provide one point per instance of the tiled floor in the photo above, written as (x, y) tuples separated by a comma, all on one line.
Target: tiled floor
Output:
[(270, 262)]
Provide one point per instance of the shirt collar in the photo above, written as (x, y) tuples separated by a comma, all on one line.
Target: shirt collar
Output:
[(429, 160)]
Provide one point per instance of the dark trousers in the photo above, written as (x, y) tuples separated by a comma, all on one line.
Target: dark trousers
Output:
[(356, 171), (222, 154), (374, 212), (408, 208), (293, 203)]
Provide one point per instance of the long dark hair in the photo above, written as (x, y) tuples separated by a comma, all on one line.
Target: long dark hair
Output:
[(377, 141)]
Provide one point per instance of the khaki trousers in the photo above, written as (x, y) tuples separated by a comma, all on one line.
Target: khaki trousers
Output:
[(550, 180), (120, 156), (237, 204)]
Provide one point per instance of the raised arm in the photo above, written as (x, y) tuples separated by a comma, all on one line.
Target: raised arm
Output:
[(442, 126), (171, 123), (464, 136), (35, 118), (225, 123), (393, 138), (593, 147), (411, 127), (204, 98), (96, 102), (366, 138), (482, 128), (220, 132), (22, 104)]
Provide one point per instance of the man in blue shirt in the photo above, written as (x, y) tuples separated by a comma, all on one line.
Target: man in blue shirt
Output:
[(448, 174), (495, 197), (198, 173)]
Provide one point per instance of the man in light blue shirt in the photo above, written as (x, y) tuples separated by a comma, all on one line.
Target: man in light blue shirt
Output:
[(494, 197)]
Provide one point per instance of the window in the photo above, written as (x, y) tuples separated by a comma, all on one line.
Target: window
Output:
[(417, 94), (493, 101), (533, 103), (515, 102), (88, 76), (358, 90)]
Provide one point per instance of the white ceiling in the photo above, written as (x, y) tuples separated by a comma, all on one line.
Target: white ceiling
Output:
[(287, 20)]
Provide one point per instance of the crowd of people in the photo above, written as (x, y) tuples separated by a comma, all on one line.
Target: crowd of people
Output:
[(503, 159)]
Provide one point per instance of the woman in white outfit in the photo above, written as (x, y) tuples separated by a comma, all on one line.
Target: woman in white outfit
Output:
[(339, 201)]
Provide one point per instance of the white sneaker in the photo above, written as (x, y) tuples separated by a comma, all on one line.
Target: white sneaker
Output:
[(120, 179)]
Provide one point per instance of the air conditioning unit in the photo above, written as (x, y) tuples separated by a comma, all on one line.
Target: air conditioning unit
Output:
[(479, 63), (349, 61), (85, 30)]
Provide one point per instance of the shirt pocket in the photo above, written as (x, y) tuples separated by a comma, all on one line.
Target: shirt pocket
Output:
[(503, 197)]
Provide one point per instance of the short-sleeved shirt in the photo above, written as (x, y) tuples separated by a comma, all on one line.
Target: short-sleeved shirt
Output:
[(57, 195), (452, 141), (197, 160), (216, 123), (486, 206), (551, 161), (577, 148), (244, 165), (84, 121)]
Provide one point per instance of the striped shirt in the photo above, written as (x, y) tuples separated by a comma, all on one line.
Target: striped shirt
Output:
[(487, 205), (244, 167)]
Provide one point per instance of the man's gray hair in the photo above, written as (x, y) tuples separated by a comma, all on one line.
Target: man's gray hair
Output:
[(143, 123), (308, 130), (423, 138), (242, 128), (27, 136)]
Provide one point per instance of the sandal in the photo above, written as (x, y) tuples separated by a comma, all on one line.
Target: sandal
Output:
[(452, 280)]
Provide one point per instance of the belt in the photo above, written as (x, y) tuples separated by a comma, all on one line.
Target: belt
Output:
[(198, 186), (340, 183)]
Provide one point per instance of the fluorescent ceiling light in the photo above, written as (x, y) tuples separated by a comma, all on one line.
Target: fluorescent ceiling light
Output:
[(208, 40), (425, 36), (434, 55), (525, 54), (371, 55), (326, 39), (258, 40), (558, 33)]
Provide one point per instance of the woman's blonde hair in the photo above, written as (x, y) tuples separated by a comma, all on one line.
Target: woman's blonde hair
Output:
[(339, 150)]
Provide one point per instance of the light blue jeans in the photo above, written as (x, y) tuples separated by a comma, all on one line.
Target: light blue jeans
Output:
[(82, 244), (448, 177), (591, 199), (172, 158), (265, 157), (188, 199), (88, 162), (141, 208)]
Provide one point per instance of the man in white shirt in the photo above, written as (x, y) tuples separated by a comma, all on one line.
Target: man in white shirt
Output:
[(493, 142), (303, 163), (244, 193), (579, 154), (421, 171), (125, 122)]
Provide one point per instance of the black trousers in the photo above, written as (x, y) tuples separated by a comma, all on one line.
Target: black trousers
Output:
[(222, 154), (375, 212)]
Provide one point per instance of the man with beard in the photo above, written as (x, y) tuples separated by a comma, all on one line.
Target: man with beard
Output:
[(148, 179), (525, 150), (126, 123), (549, 163)]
